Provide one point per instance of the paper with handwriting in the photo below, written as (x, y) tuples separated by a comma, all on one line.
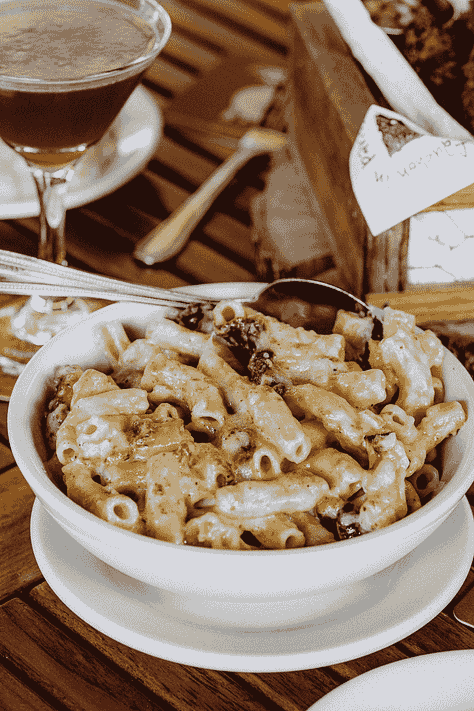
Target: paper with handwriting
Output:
[(397, 169)]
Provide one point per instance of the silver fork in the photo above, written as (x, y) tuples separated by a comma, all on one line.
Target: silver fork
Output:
[(28, 275)]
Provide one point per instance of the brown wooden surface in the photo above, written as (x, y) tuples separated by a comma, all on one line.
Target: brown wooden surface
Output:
[(49, 658), (330, 98), (454, 303)]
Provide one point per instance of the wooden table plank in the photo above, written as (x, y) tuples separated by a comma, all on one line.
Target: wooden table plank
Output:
[(232, 234), (254, 19), (18, 567), (293, 691), (3, 420), (355, 667), (182, 686), (445, 634), (208, 266), (193, 167), (232, 41), (192, 53), (73, 675), (16, 696), (6, 457), (167, 76)]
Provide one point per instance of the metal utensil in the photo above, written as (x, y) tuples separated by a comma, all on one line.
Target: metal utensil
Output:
[(302, 302), (170, 236), (29, 275), (307, 303), (464, 610)]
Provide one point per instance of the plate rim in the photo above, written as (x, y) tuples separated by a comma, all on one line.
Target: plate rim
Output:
[(333, 699), (275, 662)]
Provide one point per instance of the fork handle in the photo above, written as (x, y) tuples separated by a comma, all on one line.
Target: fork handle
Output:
[(170, 236)]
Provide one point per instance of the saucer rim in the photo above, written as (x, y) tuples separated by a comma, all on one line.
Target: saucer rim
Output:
[(460, 524)]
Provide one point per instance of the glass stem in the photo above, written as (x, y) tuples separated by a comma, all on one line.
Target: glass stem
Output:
[(51, 187)]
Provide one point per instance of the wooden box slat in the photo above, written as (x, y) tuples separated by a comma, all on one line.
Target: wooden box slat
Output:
[(330, 99)]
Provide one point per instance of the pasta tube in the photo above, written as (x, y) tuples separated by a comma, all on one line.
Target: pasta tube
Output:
[(170, 335), (272, 417), (314, 532), (104, 502), (92, 382), (336, 415), (209, 531), (164, 377), (286, 494), (165, 508), (276, 532)]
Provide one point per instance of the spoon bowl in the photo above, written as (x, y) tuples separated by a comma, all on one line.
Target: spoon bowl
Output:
[(307, 303)]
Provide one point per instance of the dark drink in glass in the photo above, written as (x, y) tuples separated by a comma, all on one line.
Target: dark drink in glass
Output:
[(66, 70)]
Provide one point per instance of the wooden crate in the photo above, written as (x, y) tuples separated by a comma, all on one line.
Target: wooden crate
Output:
[(331, 95)]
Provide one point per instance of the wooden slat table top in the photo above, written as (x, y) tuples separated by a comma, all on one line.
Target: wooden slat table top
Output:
[(50, 658)]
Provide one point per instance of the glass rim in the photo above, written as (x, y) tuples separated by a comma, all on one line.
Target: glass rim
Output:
[(144, 59)]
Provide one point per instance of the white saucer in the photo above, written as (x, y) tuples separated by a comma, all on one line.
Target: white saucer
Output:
[(423, 583), (438, 682), (121, 154)]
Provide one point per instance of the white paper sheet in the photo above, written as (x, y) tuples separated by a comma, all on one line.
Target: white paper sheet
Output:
[(397, 169)]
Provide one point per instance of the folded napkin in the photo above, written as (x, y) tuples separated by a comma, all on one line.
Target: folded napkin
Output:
[(398, 169)]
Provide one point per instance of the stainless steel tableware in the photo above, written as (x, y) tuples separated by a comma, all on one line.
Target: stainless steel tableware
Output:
[(168, 238), (464, 610), (301, 302)]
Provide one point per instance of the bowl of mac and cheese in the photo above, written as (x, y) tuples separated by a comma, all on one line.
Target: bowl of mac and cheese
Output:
[(257, 473)]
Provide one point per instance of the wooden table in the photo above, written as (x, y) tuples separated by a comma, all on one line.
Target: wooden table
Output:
[(49, 658)]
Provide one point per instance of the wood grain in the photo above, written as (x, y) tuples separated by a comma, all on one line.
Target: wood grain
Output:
[(462, 199), (16, 696), (3, 420), (183, 687), (232, 39), (74, 676), (430, 303), (18, 566), (330, 100)]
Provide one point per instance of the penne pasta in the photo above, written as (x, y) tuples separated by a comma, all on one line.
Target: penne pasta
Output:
[(254, 435)]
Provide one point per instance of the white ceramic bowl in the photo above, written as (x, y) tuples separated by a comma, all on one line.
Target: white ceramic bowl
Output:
[(246, 589)]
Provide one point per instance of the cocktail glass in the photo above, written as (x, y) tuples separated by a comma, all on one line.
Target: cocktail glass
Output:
[(66, 70)]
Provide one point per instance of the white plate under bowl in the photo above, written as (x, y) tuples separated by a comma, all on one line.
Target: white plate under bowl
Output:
[(118, 157), (430, 682), (422, 584)]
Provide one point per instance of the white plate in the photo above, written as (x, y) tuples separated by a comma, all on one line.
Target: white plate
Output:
[(431, 682), (132, 613), (120, 155)]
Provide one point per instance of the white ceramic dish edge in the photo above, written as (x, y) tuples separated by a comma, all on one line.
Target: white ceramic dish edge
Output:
[(381, 549), (441, 681), (132, 613)]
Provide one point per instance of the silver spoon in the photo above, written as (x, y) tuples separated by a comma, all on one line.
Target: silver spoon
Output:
[(307, 303), (301, 302), (170, 236)]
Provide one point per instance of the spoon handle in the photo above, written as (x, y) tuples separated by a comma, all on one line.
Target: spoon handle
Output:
[(169, 237)]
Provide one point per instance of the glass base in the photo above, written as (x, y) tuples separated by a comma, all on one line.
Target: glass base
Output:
[(15, 349), (41, 318)]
